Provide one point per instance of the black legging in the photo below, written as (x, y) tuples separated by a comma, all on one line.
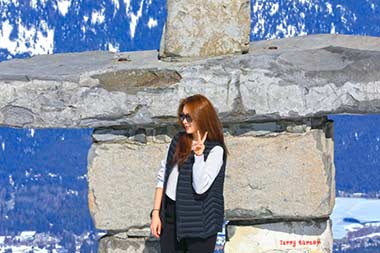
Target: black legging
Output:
[(168, 240)]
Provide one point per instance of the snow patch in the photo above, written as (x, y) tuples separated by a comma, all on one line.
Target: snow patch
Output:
[(5, 2), (82, 177), (11, 182), (116, 4), (304, 1), (260, 23), (134, 17), (34, 40), (69, 191), (33, 4), (329, 8), (152, 23), (63, 6), (113, 48), (31, 132), (97, 17), (291, 31), (332, 31), (52, 174), (368, 236), (274, 9)]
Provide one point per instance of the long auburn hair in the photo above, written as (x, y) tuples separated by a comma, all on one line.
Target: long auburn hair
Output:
[(204, 114)]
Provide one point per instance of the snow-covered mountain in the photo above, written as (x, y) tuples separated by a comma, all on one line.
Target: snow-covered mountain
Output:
[(56, 26)]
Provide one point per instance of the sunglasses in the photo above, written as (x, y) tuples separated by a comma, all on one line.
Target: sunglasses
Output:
[(185, 116)]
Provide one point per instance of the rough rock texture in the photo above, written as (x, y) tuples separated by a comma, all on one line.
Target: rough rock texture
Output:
[(122, 177), (119, 243), (103, 89), (206, 28), (303, 236), (300, 164), (315, 41)]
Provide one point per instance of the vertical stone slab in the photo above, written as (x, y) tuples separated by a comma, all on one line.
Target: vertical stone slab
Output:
[(122, 180), (282, 176), (206, 28)]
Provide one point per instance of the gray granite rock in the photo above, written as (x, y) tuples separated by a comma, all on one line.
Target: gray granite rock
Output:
[(206, 28), (122, 180), (102, 89), (315, 41), (287, 176)]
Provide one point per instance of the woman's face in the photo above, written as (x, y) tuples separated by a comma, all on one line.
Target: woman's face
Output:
[(190, 127)]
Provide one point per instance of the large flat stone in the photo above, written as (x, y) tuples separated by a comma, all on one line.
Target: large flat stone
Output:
[(315, 41), (303, 236), (103, 89)]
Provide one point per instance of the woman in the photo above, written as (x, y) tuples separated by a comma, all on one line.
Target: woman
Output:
[(189, 215)]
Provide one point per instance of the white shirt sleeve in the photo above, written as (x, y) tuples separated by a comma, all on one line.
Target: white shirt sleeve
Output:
[(205, 172), (161, 175), (161, 172)]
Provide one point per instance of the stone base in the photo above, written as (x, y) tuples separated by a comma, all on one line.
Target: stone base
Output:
[(120, 244), (284, 237)]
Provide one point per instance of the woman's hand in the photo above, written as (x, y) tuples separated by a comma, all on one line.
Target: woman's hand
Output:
[(199, 146), (155, 225)]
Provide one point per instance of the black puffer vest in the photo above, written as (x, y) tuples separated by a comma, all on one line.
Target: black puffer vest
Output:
[(197, 215)]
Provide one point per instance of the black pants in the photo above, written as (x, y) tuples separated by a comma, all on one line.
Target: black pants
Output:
[(168, 240)]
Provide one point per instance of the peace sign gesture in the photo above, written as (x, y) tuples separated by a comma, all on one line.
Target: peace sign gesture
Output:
[(199, 146)]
